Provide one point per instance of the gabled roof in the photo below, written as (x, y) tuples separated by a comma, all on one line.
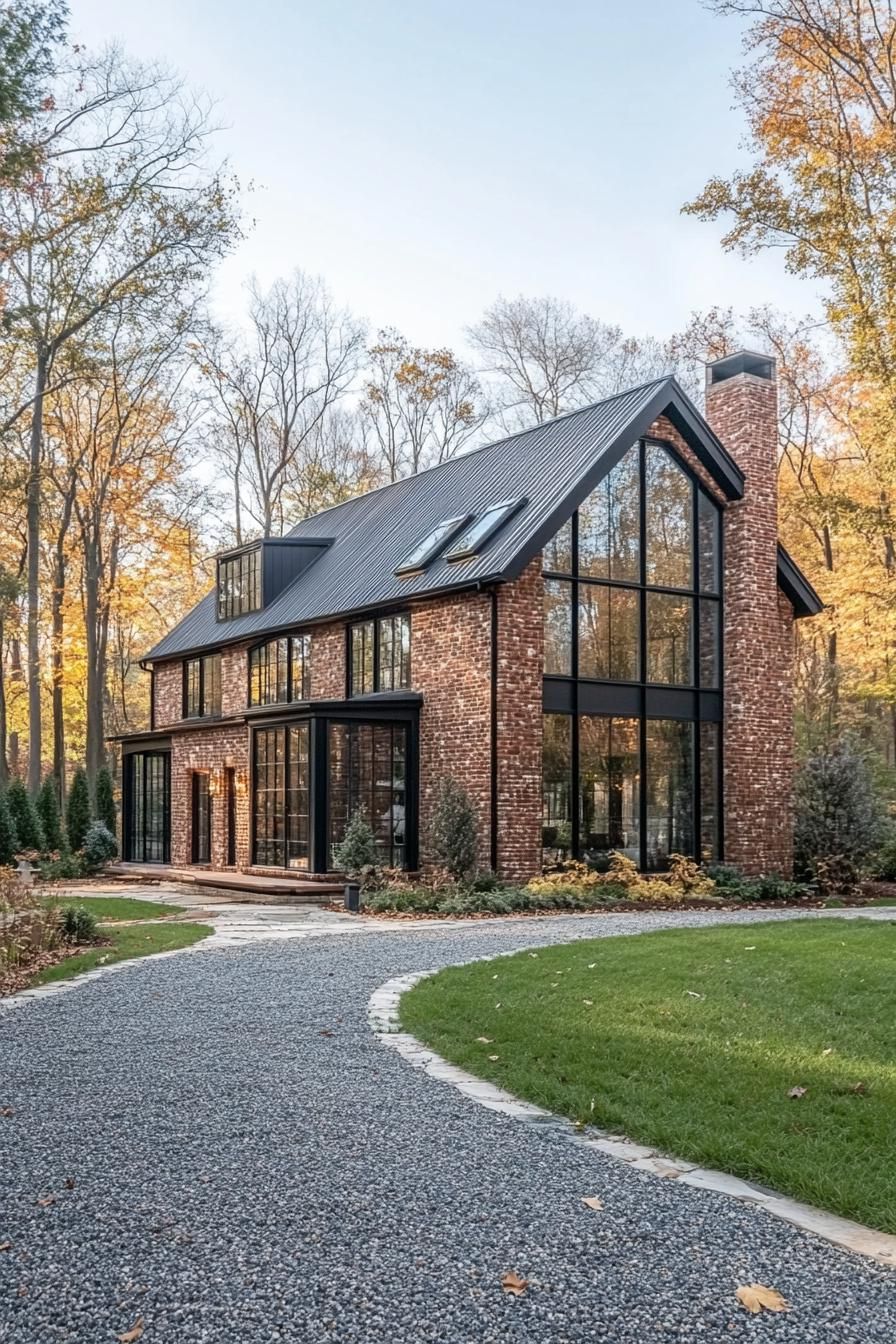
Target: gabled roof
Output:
[(551, 467), (796, 587)]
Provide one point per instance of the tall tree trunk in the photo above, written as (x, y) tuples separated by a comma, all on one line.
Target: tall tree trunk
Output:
[(94, 736), (58, 633), (4, 767), (33, 499)]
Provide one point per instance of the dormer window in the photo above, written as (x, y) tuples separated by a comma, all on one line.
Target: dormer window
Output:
[(239, 583)]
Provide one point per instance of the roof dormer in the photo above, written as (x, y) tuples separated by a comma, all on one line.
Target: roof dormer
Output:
[(250, 577)]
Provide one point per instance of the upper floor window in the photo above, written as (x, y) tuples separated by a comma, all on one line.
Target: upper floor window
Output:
[(632, 587), (239, 584), (280, 671), (202, 687), (380, 655)]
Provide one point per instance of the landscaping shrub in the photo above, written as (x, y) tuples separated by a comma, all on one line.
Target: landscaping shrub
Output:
[(357, 853), (27, 926), (839, 819), (9, 841), (78, 925), (24, 815), (453, 830), (884, 862), (464, 899), (66, 866), (77, 813), (100, 846), (684, 881), (48, 811), (105, 801), (734, 885)]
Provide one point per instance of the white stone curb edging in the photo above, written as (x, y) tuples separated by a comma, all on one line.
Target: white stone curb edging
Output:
[(384, 1020)]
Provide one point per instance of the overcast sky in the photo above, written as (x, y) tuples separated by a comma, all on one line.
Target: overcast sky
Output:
[(424, 157)]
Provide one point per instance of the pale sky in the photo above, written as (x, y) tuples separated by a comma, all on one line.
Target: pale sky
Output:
[(425, 157)]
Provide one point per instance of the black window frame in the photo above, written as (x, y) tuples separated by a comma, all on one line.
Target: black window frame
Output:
[(576, 695), (257, 650), (375, 624), (250, 596), (202, 710)]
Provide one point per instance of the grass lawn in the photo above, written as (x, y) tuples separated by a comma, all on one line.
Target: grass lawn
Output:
[(691, 1039), (110, 908), (135, 940)]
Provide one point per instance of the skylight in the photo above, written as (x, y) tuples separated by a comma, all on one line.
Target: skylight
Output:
[(431, 544), (482, 529)]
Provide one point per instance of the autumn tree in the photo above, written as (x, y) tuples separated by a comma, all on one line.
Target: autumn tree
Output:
[(121, 211), (421, 406), (819, 92), (30, 34), (271, 393)]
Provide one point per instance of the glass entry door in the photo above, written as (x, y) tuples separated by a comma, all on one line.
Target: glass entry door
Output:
[(147, 807), (282, 796), (202, 819)]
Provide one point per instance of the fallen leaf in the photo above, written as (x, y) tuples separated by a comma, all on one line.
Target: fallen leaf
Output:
[(45, 1200), (797, 1093), (692, 994), (484, 1040), (512, 1283), (5, 1245), (136, 1330), (756, 1297), (829, 1051), (859, 1089), (591, 965), (69, 1182), (6, 1111), (494, 1057), (589, 1003), (533, 954), (751, 948), (593, 1202)]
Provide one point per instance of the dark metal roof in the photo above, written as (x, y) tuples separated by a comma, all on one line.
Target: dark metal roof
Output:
[(796, 586), (552, 466)]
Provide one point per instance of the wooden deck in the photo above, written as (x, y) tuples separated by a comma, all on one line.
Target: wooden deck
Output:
[(241, 886)]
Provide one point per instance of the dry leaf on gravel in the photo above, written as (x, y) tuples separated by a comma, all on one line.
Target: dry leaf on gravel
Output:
[(132, 1335), (69, 1182), (45, 1200), (797, 1093), (512, 1283), (593, 1202), (756, 1297), (6, 1112), (5, 1245)]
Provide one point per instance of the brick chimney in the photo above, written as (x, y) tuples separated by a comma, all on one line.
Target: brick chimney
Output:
[(742, 408)]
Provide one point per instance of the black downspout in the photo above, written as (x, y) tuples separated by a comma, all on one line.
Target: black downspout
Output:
[(493, 838)]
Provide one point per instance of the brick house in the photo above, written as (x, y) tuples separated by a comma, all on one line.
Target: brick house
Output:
[(589, 625)]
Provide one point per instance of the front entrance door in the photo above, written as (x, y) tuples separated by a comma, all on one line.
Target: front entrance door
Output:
[(202, 820), (230, 795), (146, 822)]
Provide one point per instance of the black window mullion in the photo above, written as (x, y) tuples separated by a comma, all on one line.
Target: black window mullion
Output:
[(575, 826), (642, 655)]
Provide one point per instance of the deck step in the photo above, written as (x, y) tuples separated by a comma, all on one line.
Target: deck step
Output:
[(243, 886)]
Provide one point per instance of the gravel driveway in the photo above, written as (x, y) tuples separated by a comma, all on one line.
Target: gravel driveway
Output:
[(249, 1164)]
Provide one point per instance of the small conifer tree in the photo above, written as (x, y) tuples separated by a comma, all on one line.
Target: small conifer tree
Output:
[(9, 841), (24, 815), (105, 800), (48, 811), (77, 813), (839, 820), (453, 831), (358, 848)]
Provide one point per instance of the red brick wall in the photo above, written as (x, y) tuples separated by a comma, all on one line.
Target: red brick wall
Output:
[(210, 750), (451, 666), (758, 644), (328, 662), (520, 668)]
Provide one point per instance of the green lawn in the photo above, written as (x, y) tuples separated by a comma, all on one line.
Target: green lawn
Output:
[(690, 1040), (135, 940), (109, 908)]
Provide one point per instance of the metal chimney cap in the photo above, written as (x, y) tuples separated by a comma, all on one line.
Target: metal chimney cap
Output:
[(744, 361)]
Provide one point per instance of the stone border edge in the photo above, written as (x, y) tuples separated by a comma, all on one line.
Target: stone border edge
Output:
[(383, 1017)]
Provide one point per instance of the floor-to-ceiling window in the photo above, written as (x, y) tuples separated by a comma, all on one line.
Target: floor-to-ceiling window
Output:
[(367, 770), (281, 796), (633, 668)]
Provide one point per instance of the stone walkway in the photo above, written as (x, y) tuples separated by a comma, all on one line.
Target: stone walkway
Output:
[(217, 1145)]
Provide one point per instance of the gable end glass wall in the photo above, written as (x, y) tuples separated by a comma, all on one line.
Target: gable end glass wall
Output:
[(633, 668)]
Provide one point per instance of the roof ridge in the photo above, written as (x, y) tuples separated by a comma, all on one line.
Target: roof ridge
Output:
[(483, 447)]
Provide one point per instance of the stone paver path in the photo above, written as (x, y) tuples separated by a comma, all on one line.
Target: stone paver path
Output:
[(215, 1143)]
